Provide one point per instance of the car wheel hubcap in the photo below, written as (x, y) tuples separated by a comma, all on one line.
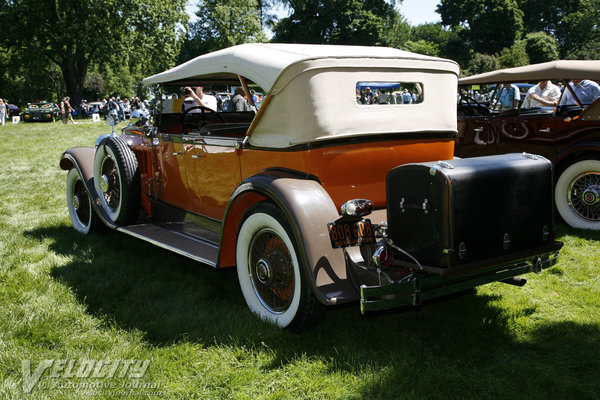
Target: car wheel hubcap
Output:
[(263, 271), (271, 271), (76, 203), (584, 196), (590, 196), (104, 183)]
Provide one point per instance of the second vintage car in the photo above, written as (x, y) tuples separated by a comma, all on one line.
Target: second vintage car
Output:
[(567, 134), (317, 199), (40, 111)]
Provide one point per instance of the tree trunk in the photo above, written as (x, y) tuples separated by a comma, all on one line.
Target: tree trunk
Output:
[(74, 73)]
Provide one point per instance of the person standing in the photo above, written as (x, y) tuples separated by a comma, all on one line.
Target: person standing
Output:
[(3, 112), (66, 110), (509, 97), (406, 97), (113, 108), (83, 106), (544, 94), (238, 103), (120, 109), (586, 91)]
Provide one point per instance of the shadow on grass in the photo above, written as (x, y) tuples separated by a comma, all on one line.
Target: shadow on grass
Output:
[(464, 344)]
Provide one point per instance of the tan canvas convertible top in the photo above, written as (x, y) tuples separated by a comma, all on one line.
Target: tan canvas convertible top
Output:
[(312, 89), (553, 70)]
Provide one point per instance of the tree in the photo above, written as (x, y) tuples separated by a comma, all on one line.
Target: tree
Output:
[(513, 56), (223, 23), (360, 22), (422, 47), (448, 42), (396, 31), (74, 34), (579, 32), (481, 63), (541, 47), (488, 25), (546, 15)]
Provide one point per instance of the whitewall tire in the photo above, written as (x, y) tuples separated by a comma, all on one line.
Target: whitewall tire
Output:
[(577, 195), (82, 215), (269, 271)]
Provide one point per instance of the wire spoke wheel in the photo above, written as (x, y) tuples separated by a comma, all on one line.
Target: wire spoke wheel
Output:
[(110, 183), (271, 270), (577, 195), (584, 196)]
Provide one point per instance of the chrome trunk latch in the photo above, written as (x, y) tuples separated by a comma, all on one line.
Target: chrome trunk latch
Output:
[(545, 233), (440, 164), (462, 250), (530, 156), (506, 241), (425, 206)]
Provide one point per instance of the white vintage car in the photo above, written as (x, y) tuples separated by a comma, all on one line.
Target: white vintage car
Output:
[(327, 194)]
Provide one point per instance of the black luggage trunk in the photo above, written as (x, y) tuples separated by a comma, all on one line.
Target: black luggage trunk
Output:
[(452, 213)]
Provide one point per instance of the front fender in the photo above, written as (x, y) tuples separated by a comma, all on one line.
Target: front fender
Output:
[(82, 158), (308, 208)]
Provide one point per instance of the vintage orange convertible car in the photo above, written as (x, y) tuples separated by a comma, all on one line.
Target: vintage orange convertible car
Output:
[(319, 197)]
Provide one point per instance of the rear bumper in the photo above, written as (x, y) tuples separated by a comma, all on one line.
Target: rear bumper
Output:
[(417, 289)]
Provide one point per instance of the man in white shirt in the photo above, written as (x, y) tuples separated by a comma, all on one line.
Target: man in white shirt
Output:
[(544, 94), (586, 91), (197, 97)]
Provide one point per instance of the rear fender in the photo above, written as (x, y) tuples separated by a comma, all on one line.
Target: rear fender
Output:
[(82, 158), (308, 208), (589, 149)]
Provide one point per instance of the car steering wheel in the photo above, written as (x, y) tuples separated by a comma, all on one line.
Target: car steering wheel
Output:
[(186, 112)]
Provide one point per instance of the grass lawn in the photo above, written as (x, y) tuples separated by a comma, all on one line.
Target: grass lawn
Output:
[(102, 300)]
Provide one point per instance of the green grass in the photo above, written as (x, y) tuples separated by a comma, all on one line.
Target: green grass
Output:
[(64, 296)]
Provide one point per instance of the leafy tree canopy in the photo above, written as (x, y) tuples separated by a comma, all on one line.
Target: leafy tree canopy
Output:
[(221, 24), (360, 22), (75, 34), (541, 47), (490, 25), (514, 56)]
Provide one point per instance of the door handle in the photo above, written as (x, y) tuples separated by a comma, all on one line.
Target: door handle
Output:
[(179, 153), (546, 130), (196, 156)]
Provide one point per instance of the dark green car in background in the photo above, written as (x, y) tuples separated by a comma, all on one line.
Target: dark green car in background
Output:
[(41, 111)]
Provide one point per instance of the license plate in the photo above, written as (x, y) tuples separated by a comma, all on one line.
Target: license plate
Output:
[(346, 233)]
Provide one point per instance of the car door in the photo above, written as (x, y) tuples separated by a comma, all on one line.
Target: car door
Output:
[(531, 132), (476, 136), (170, 180), (212, 166)]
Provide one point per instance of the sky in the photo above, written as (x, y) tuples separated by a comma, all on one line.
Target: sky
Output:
[(419, 12), (416, 12)]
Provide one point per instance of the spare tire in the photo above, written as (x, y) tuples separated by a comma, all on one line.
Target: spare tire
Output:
[(116, 180)]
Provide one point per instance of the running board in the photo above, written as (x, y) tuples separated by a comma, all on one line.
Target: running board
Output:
[(178, 242)]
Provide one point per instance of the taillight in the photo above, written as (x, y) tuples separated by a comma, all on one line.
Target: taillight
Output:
[(357, 208), (383, 257)]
